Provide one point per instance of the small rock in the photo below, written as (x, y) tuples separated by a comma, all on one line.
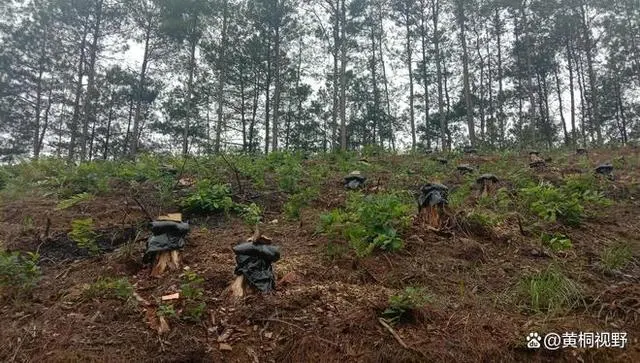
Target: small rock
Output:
[(268, 335), (225, 347)]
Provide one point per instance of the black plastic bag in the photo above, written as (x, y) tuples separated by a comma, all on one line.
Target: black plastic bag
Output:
[(354, 180), (432, 194), (167, 236), (253, 261)]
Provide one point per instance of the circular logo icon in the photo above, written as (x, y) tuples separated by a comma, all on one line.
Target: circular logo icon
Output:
[(552, 341)]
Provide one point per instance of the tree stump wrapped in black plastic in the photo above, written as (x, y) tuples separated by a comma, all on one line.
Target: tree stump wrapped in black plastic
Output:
[(487, 183), (354, 180), (163, 245), (465, 169), (606, 170), (253, 262), (431, 201)]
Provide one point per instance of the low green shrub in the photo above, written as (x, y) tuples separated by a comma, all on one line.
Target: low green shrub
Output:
[(84, 235), (19, 273), (369, 222), (404, 303), (110, 288), (209, 198), (299, 200), (556, 242), (193, 296), (564, 204)]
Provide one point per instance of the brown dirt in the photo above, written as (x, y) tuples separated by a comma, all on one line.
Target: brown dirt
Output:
[(323, 310)]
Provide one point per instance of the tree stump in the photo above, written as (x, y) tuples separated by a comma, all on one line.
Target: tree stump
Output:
[(430, 216), (167, 259), (488, 183)]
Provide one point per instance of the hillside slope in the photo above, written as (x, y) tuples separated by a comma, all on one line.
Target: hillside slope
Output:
[(553, 249)]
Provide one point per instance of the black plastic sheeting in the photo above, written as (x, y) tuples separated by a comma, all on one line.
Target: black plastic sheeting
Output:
[(167, 236), (605, 169), (354, 181), (253, 261), (432, 194)]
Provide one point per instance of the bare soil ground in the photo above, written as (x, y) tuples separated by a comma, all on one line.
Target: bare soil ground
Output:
[(324, 310)]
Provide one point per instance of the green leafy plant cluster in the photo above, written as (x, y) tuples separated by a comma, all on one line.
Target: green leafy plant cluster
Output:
[(166, 310), (565, 204), (193, 294), (84, 235), (289, 173), (209, 197), (369, 222), (402, 304), (299, 200), (557, 242), (111, 288), (19, 273), (252, 214)]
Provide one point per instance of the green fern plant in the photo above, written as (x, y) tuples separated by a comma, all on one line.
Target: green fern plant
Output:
[(193, 295), (74, 200), (84, 235), (19, 272)]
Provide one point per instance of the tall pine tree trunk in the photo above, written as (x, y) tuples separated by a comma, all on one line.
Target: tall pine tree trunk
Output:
[(277, 90), (410, 67), (78, 95), (465, 71), (574, 136), (588, 43), (334, 94), (423, 68), (501, 97), (105, 152), (558, 90), (192, 69), (133, 147), (343, 77), (388, 127), (436, 44), (374, 85), (92, 91), (222, 70), (39, 81)]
